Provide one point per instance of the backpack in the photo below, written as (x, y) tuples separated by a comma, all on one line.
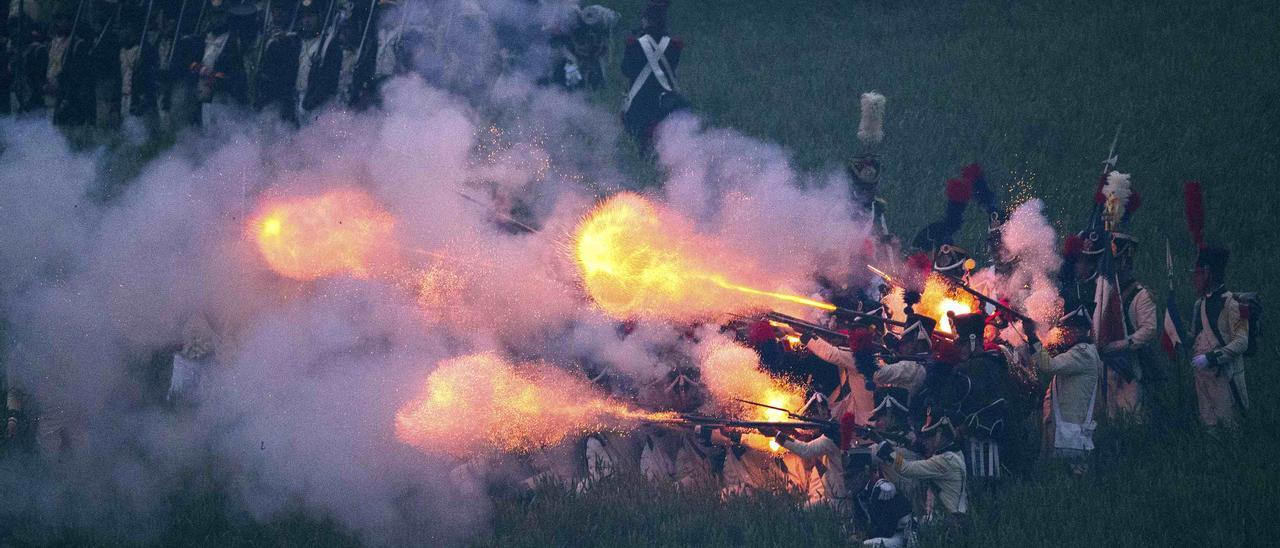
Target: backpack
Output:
[(1251, 310)]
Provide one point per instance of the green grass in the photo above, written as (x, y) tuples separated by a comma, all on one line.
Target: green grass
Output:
[(1034, 90)]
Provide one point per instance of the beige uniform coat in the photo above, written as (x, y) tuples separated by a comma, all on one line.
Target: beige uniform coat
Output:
[(943, 474), (1214, 387), (859, 401)]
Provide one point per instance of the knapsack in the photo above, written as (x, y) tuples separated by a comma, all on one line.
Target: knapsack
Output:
[(1251, 310)]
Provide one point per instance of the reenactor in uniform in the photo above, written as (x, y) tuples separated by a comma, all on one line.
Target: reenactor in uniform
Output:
[(1219, 342), (856, 367), (1076, 368), (581, 46), (1139, 310), (68, 87), (941, 472), (278, 71), (139, 63), (180, 49), (220, 72), (915, 344), (649, 63), (826, 450)]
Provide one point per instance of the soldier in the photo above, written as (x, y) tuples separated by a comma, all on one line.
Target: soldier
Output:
[(941, 473), (908, 373), (826, 451), (138, 65), (278, 71), (1069, 401), (220, 73), (864, 180), (649, 63), (180, 48), (890, 419), (68, 88), (581, 46), (1139, 310), (856, 367), (1220, 340), (104, 61), (885, 513)]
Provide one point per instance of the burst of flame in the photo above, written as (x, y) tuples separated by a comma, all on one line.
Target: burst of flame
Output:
[(481, 402), (938, 298), (638, 260), (338, 232), (732, 371)]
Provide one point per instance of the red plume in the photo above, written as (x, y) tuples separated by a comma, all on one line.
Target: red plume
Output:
[(972, 172), (848, 422), (859, 340), (1073, 246), (1135, 202), (920, 262), (1194, 200), (1098, 196), (959, 190), (760, 332)]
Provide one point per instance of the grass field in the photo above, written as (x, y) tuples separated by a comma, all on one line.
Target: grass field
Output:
[(1034, 90)]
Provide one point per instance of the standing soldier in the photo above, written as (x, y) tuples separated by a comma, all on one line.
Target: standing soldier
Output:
[(104, 61), (1139, 310), (138, 66), (1068, 405), (180, 49), (1220, 340), (220, 74), (279, 68), (68, 87), (649, 63)]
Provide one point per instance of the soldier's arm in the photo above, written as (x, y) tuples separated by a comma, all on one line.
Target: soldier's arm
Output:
[(930, 468), (830, 354), (1074, 361), (810, 449)]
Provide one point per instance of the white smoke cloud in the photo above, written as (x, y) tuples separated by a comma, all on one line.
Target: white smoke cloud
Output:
[(297, 412)]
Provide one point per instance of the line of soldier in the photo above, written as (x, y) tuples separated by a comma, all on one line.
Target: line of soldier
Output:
[(96, 62), (917, 417)]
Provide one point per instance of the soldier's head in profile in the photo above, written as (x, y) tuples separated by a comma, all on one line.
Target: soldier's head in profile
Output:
[(310, 24)]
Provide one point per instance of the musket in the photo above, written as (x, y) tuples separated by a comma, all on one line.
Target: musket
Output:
[(803, 325), (988, 300), (719, 422), (177, 33), (146, 21), (373, 4), (790, 414), (874, 434)]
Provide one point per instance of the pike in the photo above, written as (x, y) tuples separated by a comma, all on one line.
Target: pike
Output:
[(1108, 165)]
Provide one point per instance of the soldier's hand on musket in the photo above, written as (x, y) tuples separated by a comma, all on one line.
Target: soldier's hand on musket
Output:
[(768, 432)]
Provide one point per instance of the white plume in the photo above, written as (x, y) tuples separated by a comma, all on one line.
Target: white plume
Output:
[(871, 129), (1117, 192)]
